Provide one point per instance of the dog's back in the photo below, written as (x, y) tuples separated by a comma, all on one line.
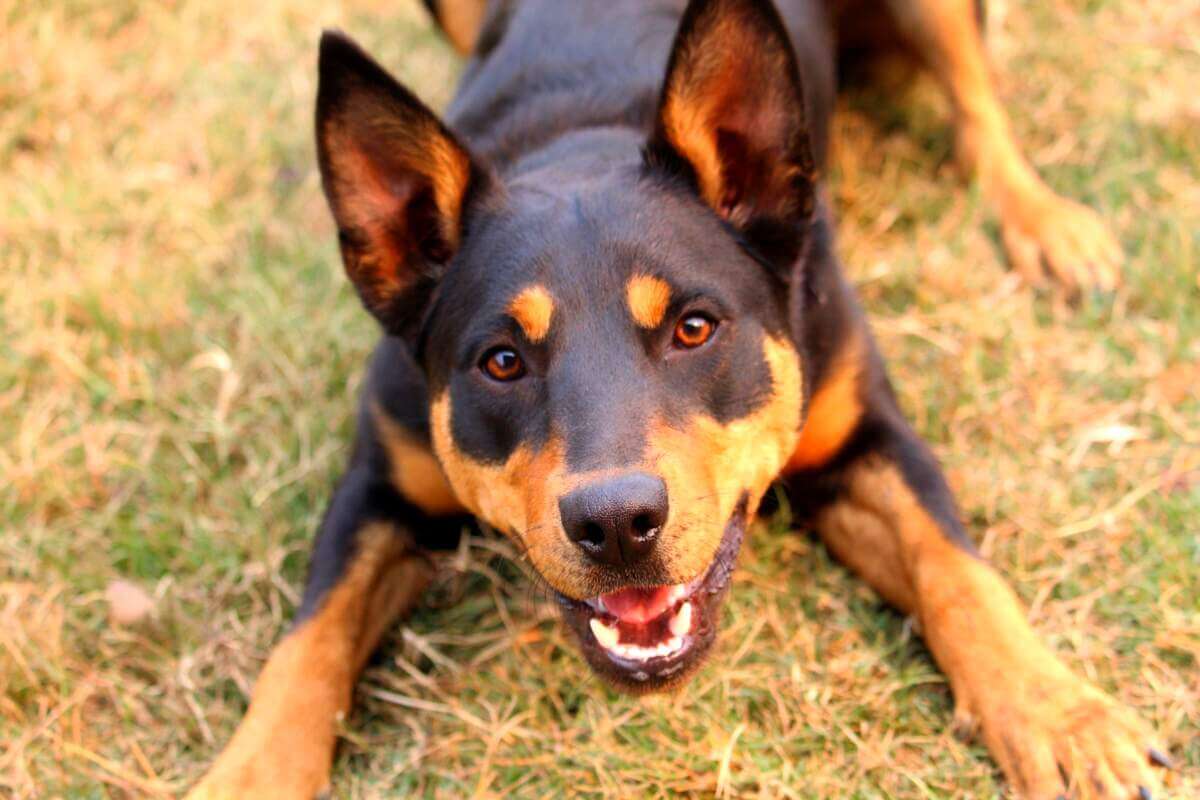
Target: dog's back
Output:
[(544, 67)]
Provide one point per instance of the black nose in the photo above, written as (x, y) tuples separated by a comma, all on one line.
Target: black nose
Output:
[(616, 520)]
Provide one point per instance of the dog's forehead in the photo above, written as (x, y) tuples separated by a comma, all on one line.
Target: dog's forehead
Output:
[(585, 243)]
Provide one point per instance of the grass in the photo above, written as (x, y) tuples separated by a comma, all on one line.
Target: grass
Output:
[(179, 354)]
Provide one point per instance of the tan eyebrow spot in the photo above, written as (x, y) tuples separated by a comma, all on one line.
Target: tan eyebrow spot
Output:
[(647, 297), (533, 309)]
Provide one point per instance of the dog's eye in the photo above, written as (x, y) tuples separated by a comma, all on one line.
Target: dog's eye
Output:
[(694, 330), (503, 364)]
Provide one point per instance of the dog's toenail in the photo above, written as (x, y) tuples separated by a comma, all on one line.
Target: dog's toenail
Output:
[(1144, 793), (1160, 758)]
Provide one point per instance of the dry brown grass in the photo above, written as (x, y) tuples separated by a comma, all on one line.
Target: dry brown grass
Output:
[(178, 357)]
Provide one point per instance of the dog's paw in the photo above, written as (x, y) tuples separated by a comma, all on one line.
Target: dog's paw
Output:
[(1047, 234), (1062, 737)]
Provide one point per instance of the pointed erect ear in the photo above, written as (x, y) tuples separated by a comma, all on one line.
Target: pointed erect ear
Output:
[(396, 179), (731, 120)]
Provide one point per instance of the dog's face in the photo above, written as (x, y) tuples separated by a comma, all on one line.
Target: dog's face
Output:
[(617, 402), (605, 332)]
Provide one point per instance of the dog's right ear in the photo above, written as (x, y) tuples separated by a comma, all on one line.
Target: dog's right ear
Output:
[(396, 179)]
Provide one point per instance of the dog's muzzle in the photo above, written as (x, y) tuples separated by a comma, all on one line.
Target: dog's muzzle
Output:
[(644, 638)]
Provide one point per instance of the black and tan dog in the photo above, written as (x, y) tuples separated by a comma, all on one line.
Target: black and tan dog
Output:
[(613, 319)]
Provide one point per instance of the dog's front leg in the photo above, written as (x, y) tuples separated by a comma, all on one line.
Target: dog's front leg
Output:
[(892, 520), (1041, 230), (364, 573)]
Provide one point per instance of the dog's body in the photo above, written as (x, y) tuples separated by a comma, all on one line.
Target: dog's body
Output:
[(614, 318)]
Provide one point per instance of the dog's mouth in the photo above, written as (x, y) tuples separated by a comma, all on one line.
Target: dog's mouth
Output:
[(647, 638)]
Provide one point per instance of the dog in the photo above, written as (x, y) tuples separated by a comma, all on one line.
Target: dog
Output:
[(612, 319)]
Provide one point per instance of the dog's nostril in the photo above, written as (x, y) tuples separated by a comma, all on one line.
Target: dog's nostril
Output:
[(643, 526), (593, 535)]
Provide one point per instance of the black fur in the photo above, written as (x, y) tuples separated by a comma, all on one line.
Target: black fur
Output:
[(559, 113)]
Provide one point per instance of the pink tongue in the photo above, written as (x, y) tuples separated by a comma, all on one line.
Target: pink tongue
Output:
[(637, 605)]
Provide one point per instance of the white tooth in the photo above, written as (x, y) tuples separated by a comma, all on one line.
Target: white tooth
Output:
[(633, 652), (681, 623), (606, 636)]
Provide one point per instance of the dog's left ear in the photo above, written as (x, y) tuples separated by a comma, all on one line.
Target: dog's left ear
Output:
[(731, 121)]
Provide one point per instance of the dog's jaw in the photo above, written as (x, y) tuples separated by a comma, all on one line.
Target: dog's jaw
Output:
[(654, 638)]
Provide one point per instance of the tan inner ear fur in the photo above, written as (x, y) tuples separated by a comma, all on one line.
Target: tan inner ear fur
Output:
[(725, 77), (364, 198), (707, 466), (450, 175), (689, 132), (533, 310), (647, 298), (705, 80)]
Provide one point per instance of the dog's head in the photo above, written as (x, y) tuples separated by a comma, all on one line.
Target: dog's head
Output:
[(605, 328)]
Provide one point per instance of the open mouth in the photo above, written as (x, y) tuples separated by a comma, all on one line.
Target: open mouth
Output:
[(648, 637)]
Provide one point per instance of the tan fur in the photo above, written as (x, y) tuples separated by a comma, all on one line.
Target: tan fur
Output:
[(1039, 227), (707, 466), (533, 310), (364, 199), (647, 298), (450, 174), (719, 69), (689, 132), (867, 544), (706, 80), (1030, 709), (414, 472), (519, 498), (284, 745), (461, 21), (834, 410)]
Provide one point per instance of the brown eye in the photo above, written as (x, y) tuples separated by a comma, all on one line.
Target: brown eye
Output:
[(694, 330), (503, 364)]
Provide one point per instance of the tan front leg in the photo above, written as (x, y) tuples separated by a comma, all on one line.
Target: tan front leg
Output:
[(1035, 715), (284, 746), (1041, 230), (460, 20)]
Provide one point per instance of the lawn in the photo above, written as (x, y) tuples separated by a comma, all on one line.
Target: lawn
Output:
[(179, 358)]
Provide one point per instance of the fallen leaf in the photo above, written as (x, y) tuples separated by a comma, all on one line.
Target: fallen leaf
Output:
[(128, 603)]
